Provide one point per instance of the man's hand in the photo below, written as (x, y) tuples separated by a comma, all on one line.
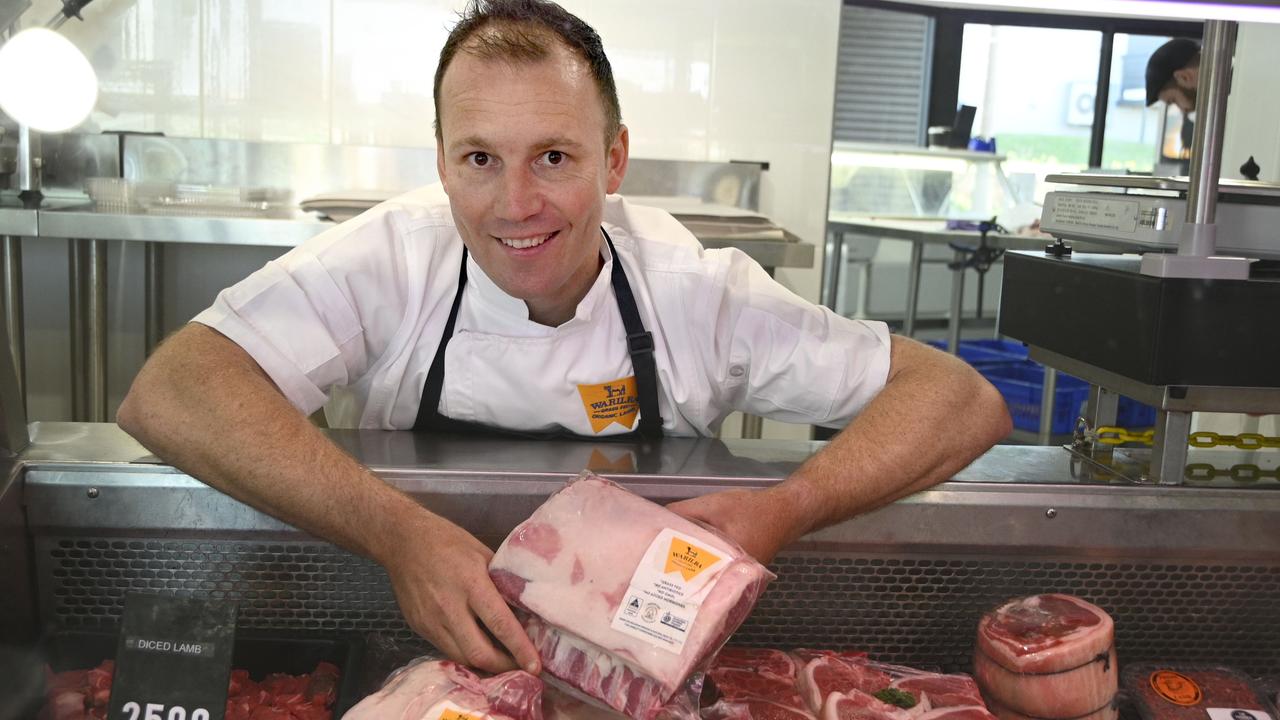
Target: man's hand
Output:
[(442, 585), (761, 521)]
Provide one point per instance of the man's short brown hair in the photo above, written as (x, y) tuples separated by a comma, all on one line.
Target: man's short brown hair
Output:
[(524, 31)]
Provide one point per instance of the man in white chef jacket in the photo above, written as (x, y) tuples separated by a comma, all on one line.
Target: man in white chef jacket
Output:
[(523, 297)]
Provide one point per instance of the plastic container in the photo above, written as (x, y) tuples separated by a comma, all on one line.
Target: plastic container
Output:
[(975, 352), (1022, 383), (1189, 691), (261, 655), (1021, 380)]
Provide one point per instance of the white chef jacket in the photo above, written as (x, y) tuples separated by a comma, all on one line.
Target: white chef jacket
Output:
[(353, 318)]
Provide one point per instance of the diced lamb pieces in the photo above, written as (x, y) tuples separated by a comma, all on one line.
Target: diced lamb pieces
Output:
[(829, 674), (956, 690), (754, 709), (67, 705), (571, 588), (1047, 656), (973, 712), (857, 705), (419, 692), (738, 684), (763, 661)]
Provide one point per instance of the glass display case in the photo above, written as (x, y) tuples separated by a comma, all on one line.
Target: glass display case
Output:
[(867, 272)]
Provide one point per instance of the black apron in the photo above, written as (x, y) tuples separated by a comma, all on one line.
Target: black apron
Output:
[(639, 345)]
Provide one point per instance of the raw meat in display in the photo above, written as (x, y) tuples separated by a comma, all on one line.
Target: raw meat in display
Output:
[(625, 601), (956, 690), (754, 709), (1109, 712), (856, 705), (959, 712), (1047, 656), (84, 694), (431, 690), (1177, 691), (766, 662), (829, 674)]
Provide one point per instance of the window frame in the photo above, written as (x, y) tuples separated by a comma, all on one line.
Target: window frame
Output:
[(948, 29)]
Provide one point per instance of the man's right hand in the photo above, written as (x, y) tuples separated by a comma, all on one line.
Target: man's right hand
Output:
[(443, 587)]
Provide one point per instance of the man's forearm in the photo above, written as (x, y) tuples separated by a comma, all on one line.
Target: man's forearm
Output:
[(934, 416), (202, 405)]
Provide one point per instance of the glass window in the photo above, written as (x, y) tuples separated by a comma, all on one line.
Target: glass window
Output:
[(1133, 134), (1034, 90)]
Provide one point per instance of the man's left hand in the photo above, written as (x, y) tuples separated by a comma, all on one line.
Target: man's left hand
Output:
[(761, 521)]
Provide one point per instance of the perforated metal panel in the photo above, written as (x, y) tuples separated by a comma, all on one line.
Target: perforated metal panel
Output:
[(905, 608)]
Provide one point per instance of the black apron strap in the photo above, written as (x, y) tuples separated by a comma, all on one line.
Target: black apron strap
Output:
[(427, 409), (640, 347)]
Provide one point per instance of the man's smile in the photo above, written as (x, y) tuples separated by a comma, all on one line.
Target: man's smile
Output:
[(525, 243)]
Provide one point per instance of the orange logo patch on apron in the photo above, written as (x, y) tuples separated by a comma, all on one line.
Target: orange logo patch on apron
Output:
[(613, 402)]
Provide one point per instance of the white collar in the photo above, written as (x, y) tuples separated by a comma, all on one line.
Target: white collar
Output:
[(501, 303)]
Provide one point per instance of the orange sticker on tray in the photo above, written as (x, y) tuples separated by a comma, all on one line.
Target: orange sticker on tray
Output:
[(452, 714), (688, 558), (1176, 687)]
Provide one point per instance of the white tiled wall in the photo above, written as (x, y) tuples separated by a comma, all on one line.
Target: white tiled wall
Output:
[(697, 79)]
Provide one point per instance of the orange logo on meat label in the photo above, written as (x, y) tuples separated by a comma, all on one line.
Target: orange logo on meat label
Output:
[(688, 558), (451, 714), (613, 402), (1176, 687)]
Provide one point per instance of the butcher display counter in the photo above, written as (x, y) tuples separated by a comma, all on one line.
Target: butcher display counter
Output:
[(1188, 573)]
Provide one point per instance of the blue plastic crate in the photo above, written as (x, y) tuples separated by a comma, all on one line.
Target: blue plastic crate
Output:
[(1132, 414), (977, 352), (1022, 383)]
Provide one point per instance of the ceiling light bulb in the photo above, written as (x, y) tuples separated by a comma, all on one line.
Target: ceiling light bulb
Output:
[(45, 81)]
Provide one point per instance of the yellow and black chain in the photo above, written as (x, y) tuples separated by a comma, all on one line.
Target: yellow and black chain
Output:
[(1110, 435), (1245, 473)]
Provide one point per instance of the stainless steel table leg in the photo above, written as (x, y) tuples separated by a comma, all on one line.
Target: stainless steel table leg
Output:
[(153, 300), (1045, 435), (752, 426), (834, 259), (13, 308), (913, 287), (1169, 451), (957, 306), (97, 329), (77, 256)]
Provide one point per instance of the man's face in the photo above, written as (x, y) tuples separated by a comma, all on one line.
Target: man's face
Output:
[(1182, 90), (523, 159)]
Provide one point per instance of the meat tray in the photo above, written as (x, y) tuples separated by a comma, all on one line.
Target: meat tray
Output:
[(259, 654)]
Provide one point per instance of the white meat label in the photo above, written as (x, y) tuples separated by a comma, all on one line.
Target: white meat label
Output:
[(1236, 714), (450, 711), (668, 587)]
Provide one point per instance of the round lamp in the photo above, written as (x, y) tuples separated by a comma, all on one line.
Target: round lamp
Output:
[(45, 81)]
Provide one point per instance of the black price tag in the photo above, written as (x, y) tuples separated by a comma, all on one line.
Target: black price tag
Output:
[(173, 661)]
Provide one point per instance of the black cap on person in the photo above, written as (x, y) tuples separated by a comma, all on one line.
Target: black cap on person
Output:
[(1168, 58)]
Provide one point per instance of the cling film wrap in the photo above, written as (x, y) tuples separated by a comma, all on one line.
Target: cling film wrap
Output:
[(1190, 691), (430, 689), (625, 601), (1048, 657)]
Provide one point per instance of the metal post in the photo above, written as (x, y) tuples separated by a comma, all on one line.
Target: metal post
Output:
[(1169, 450), (752, 427), (1197, 241), (1211, 116), (97, 329), (913, 287), (1047, 395), (77, 253), (29, 161), (834, 259), (13, 308), (1102, 98), (957, 306), (153, 299), (1101, 407)]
